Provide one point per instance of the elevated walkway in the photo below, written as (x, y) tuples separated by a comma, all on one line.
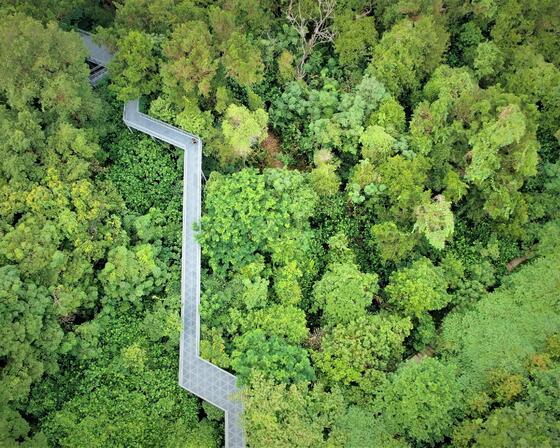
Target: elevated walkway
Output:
[(98, 54), (98, 57), (196, 375)]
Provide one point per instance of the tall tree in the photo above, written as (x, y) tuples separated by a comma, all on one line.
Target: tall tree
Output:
[(344, 293), (407, 54), (421, 402), (361, 351), (419, 288), (134, 66), (243, 130), (271, 408)]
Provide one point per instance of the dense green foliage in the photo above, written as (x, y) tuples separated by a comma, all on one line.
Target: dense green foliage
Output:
[(90, 282), (377, 173)]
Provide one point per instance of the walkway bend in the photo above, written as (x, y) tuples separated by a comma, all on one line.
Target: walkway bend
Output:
[(98, 58), (196, 375)]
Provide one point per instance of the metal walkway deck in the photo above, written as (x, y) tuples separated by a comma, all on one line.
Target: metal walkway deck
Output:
[(98, 56), (196, 375)]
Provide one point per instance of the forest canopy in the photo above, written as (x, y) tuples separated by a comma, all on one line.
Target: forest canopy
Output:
[(380, 228)]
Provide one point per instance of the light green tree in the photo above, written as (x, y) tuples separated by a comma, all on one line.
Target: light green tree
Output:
[(355, 35), (44, 66), (506, 327), (435, 221), (361, 351), (377, 145), (272, 356), (31, 337), (344, 293), (191, 60), (390, 116), (419, 288), (134, 67), (359, 427), (393, 244), (247, 213), (421, 401), (323, 177), (404, 188), (130, 275), (288, 322), (407, 54), (494, 154), (507, 427), (489, 61), (242, 60), (242, 131), (309, 411)]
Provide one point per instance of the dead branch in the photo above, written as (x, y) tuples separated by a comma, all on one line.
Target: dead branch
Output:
[(312, 31), (517, 261), (428, 352)]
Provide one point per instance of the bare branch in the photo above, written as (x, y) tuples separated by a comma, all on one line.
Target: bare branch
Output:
[(517, 261), (311, 30)]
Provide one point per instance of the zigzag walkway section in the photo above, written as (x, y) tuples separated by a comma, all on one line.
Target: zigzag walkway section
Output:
[(98, 58), (196, 375)]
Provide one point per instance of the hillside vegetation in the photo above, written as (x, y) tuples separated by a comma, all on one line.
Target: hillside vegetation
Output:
[(380, 230)]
